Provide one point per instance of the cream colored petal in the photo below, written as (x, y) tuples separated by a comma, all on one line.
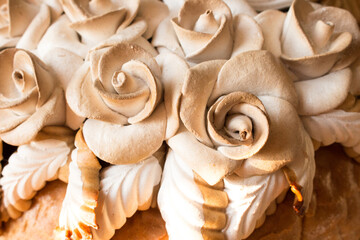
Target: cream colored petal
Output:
[(199, 79), (126, 144), (294, 42), (165, 36), (210, 164), (126, 35), (60, 35), (132, 8), (265, 78), (63, 64), (304, 67), (8, 42), (174, 5), (21, 14), (241, 104), (51, 113), (285, 141), (154, 86), (55, 8), (174, 71), (153, 12), (9, 120), (25, 103), (247, 35), (93, 29), (271, 23), (59, 59), (84, 100), (142, 42), (45, 81), (238, 7), (323, 94), (76, 10), (200, 47), (36, 29)]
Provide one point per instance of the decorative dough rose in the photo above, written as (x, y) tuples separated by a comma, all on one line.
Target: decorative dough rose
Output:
[(320, 45), (119, 90), (238, 116), (206, 30), (23, 22), (30, 97), (313, 40), (238, 137), (99, 20)]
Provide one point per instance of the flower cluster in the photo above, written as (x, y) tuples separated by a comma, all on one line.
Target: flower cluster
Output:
[(208, 107)]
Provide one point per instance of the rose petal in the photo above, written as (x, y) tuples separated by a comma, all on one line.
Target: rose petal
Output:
[(174, 71), (36, 29), (51, 113), (323, 94), (60, 35), (271, 23), (304, 67), (126, 35), (20, 15), (57, 60), (238, 7), (211, 165), (165, 36), (84, 100), (294, 41), (248, 35), (285, 141), (265, 78), (9, 120), (199, 79), (126, 144), (153, 11), (200, 47), (92, 29), (25, 105)]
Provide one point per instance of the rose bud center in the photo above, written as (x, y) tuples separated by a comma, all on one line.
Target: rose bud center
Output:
[(19, 79), (239, 127), (124, 83), (206, 23), (322, 33)]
